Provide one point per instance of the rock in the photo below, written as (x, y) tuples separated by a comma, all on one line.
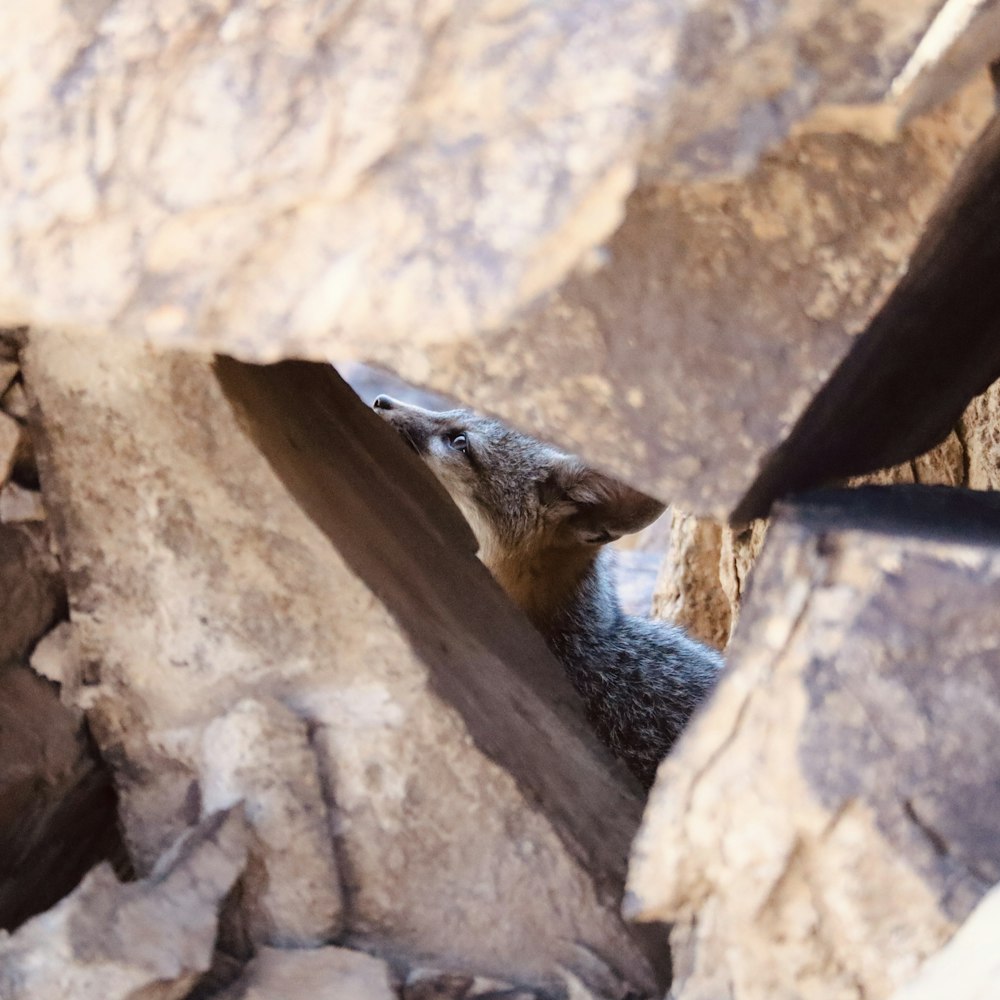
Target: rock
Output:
[(740, 548), (980, 433), (687, 589), (55, 659), (115, 941), (10, 443), (350, 182), (19, 505), (720, 309), (967, 967), (8, 372), (860, 420), (32, 592), (827, 821), (57, 805), (338, 199), (293, 891), (15, 402), (313, 974), (197, 581)]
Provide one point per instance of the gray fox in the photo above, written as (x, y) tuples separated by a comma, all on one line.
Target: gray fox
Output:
[(541, 519)]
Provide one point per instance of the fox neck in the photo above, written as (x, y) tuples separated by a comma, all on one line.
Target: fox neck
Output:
[(546, 584)]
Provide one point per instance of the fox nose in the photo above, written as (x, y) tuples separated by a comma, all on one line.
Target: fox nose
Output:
[(383, 402)]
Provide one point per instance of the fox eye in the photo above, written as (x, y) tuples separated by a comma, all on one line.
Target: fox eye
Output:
[(458, 441)]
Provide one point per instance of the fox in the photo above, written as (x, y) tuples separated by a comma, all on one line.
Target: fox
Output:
[(542, 520)]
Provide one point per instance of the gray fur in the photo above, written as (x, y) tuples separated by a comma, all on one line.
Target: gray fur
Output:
[(541, 518)]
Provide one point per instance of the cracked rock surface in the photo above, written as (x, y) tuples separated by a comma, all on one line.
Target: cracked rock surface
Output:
[(829, 821), (151, 939), (223, 590)]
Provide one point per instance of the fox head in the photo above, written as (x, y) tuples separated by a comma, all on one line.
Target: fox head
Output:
[(539, 515)]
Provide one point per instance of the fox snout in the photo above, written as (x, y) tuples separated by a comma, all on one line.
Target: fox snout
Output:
[(414, 424)]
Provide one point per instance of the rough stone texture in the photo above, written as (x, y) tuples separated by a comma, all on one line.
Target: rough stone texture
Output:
[(979, 431), (702, 580), (294, 897), (54, 657), (15, 402), (32, 593), (10, 441), (968, 967), (340, 154), (114, 941), (348, 180), (313, 974), (57, 806), (223, 589), (687, 590), (19, 505), (8, 371), (716, 313), (829, 819)]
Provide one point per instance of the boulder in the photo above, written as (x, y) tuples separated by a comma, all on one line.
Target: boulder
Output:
[(113, 941), (197, 581), (829, 819)]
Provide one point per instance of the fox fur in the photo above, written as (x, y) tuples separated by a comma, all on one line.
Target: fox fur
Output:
[(542, 519)]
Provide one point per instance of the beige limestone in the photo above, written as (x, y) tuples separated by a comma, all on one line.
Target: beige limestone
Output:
[(196, 582), (313, 974), (118, 941)]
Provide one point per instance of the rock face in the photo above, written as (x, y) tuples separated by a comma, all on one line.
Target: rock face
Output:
[(707, 566), (716, 312), (300, 897), (31, 588), (225, 590), (151, 939), (828, 821), (307, 126), (313, 974), (349, 182)]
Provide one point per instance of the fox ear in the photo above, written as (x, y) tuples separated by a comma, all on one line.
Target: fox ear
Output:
[(597, 508)]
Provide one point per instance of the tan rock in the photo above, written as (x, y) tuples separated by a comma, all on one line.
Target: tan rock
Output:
[(688, 590), (19, 505), (32, 592), (344, 166), (349, 182), (963, 38), (115, 941), (10, 443), (8, 372), (809, 836), (313, 974), (683, 361), (223, 589), (15, 402), (55, 659), (980, 433), (293, 898)]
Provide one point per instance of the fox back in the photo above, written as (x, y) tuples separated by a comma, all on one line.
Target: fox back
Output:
[(542, 518)]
